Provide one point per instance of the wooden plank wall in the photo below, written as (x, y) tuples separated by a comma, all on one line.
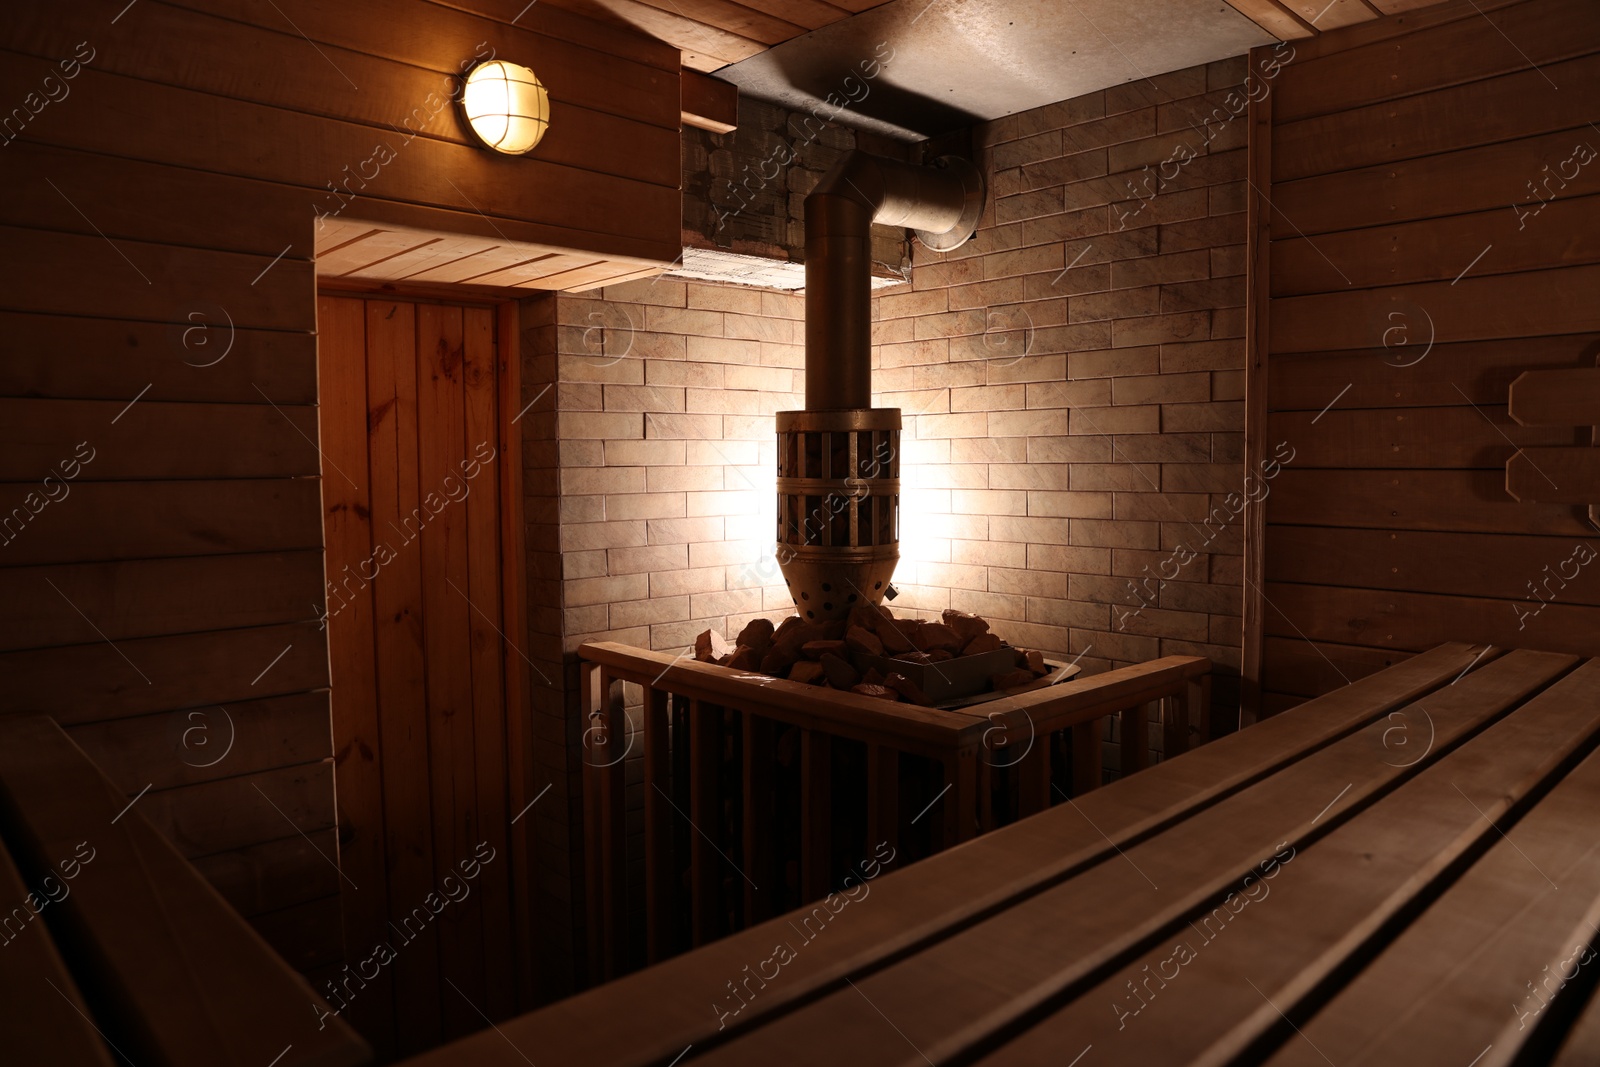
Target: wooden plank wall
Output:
[(160, 535), (1434, 232)]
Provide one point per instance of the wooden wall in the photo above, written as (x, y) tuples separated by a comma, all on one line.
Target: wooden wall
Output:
[(160, 534), (1432, 233)]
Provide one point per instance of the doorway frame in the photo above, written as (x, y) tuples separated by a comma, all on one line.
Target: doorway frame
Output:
[(513, 621)]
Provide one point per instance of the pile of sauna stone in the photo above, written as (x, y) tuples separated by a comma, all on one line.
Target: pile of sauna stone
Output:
[(851, 654)]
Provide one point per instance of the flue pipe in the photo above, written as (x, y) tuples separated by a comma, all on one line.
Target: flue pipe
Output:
[(941, 202)]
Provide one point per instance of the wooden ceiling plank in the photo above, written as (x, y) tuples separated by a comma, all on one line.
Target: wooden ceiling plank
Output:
[(590, 274), (424, 257), (1411, 20), (1327, 15), (573, 25), (532, 269), (633, 276), (1276, 19), (1396, 7), (487, 261), (706, 47), (335, 233), (855, 7), (731, 17), (372, 249)]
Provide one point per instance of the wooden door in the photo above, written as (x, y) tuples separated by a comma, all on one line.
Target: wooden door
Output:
[(413, 502)]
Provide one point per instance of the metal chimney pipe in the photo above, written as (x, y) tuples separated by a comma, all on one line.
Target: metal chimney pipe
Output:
[(839, 459), (942, 203)]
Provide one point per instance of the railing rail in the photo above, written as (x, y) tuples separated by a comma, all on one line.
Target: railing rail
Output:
[(706, 761)]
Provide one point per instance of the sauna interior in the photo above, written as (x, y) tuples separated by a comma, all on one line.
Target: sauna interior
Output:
[(639, 533)]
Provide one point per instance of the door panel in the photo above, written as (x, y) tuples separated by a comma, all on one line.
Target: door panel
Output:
[(410, 424)]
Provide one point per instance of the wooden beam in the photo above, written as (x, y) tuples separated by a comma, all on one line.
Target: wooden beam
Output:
[(709, 103), (1274, 18)]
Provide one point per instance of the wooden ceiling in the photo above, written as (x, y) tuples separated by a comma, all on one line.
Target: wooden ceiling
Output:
[(714, 33), (1290, 20), (352, 254)]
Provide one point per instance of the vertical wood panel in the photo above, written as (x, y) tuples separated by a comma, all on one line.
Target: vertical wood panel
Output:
[(589, 716), (760, 823), (1085, 757), (613, 814), (342, 386), (397, 597), (484, 636), (960, 801), (523, 790), (816, 815), (441, 445), (1258, 283), (660, 874), (705, 817), (1135, 754), (1033, 792), (883, 796)]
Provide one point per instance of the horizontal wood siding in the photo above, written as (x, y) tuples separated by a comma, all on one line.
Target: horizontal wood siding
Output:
[(161, 540), (1435, 200)]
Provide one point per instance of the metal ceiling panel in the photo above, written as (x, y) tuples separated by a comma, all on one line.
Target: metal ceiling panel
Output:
[(916, 68)]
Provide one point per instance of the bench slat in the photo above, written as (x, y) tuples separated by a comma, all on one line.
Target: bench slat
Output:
[(948, 999), (1458, 972), (1232, 969), (173, 975)]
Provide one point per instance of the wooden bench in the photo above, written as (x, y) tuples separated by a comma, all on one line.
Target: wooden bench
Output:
[(123, 953), (1385, 873)]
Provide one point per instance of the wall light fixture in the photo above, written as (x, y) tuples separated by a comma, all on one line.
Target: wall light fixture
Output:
[(506, 106)]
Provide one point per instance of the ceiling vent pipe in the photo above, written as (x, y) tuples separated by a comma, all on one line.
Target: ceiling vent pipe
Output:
[(839, 459)]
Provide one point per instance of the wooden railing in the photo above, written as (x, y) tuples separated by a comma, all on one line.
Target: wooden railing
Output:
[(745, 783)]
